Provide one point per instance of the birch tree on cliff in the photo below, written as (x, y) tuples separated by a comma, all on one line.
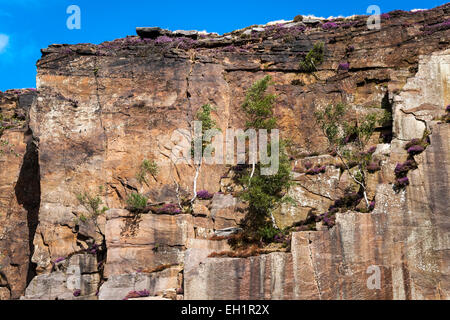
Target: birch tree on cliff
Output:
[(348, 139)]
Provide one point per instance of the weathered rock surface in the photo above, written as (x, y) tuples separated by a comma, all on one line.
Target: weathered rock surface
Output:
[(19, 192), (101, 110), (404, 242), (77, 278)]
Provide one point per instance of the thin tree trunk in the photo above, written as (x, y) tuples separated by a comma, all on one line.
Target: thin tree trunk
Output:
[(274, 223), (353, 177), (197, 170), (251, 174)]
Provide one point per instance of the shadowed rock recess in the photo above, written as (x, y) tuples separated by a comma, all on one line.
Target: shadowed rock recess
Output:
[(100, 110)]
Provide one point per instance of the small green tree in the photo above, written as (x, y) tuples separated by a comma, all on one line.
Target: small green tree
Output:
[(258, 106), (349, 139), (262, 192), (204, 115), (313, 58), (92, 204)]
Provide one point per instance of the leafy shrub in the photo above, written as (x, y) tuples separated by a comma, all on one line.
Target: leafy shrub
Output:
[(137, 202), (147, 167), (268, 233), (313, 58), (92, 204)]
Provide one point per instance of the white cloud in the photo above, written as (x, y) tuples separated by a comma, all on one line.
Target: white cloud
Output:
[(4, 40)]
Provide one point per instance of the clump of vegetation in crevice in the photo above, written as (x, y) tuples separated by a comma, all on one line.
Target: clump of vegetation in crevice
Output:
[(169, 208), (313, 59), (93, 204), (136, 202), (413, 148), (147, 167), (349, 141), (204, 195)]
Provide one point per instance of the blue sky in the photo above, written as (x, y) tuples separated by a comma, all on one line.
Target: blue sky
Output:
[(26, 26)]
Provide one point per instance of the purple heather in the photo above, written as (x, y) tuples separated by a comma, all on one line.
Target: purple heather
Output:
[(308, 165), (169, 209), (163, 39), (416, 149), (373, 166), (329, 25), (204, 195), (402, 181), (59, 260), (344, 66), (143, 293)]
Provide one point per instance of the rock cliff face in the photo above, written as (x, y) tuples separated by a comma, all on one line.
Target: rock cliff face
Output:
[(99, 111), (19, 192)]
